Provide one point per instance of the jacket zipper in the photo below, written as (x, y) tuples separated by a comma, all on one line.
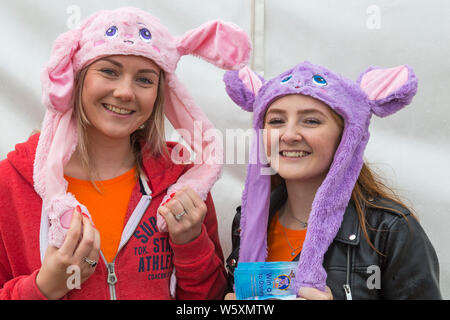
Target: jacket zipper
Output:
[(348, 292), (112, 280)]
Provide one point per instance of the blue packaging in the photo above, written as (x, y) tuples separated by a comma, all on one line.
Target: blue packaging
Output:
[(265, 280)]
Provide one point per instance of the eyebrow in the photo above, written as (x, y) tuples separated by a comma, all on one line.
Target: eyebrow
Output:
[(305, 111), (118, 64)]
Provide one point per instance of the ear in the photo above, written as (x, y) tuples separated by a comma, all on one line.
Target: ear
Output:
[(222, 44), (58, 75), (243, 86), (388, 90)]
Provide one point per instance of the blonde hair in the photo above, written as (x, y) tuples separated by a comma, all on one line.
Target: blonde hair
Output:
[(150, 139)]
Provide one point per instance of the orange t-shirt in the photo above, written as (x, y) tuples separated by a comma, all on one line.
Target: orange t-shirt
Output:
[(279, 249), (107, 209)]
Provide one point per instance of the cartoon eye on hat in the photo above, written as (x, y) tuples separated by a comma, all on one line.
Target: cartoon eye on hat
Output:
[(319, 80), (286, 79), (145, 35), (112, 32)]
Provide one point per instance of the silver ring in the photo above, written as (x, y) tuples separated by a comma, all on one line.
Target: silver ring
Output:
[(180, 215), (90, 262)]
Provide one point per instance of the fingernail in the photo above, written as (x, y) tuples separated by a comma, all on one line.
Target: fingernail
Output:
[(163, 211), (170, 198), (78, 209), (87, 217)]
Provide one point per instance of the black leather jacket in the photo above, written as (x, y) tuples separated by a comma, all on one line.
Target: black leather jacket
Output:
[(408, 268)]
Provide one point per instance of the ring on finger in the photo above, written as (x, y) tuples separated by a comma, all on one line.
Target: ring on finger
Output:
[(90, 262), (180, 215)]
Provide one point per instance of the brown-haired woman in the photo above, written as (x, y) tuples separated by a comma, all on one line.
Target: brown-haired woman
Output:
[(314, 141)]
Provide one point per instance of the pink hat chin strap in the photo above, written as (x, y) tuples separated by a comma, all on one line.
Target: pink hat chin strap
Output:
[(57, 142)]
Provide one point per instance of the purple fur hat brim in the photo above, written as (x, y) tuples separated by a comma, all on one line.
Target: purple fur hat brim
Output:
[(329, 206)]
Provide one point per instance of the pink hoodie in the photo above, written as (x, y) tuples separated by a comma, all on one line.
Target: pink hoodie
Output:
[(146, 259)]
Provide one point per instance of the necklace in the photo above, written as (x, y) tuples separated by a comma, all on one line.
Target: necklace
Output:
[(303, 223), (293, 252)]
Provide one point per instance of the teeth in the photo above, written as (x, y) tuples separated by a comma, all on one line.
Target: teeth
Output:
[(295, 154), (116, 109)]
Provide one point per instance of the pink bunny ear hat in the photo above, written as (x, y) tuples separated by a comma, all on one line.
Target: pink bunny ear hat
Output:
[(128, 31)]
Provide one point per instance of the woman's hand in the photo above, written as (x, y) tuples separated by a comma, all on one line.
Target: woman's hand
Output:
[(184, 215), (82, 241), (306, 293), (230, 296)]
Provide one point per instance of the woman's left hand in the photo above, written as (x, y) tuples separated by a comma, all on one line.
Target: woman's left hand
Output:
[(306, 293), (190, 210)]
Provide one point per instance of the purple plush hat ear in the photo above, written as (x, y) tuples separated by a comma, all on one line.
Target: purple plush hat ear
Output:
[(388, 90), (243, 86)]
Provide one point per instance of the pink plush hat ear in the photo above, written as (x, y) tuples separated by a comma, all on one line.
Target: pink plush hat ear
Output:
[(388, 90), (243, 86), (58, 75), (220, 43)]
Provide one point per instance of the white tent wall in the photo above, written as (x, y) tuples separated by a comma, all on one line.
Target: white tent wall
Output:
[(410, 149)]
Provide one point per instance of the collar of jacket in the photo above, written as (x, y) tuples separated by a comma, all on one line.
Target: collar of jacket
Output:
[(349, 232), (161, 171)]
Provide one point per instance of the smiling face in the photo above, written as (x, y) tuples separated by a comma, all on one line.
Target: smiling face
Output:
[(306, 134), (119, 94)]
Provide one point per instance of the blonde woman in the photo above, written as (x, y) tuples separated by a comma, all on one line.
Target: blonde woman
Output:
[(94, 207)]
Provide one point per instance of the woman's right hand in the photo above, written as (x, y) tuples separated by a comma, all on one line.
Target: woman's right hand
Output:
[(306, 293), (52, 277), (230, 296)]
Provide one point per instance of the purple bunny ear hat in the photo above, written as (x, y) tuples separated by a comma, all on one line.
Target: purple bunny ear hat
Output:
[(379, 91)]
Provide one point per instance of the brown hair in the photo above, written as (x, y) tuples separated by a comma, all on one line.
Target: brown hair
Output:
[(152, 136), (368, 187)]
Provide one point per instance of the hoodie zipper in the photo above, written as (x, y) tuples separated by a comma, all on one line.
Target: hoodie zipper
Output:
[(112, 280), (112, 277)]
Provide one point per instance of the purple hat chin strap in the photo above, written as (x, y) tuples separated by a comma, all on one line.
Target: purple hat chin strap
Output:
[(329, 206), (255, 199)]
